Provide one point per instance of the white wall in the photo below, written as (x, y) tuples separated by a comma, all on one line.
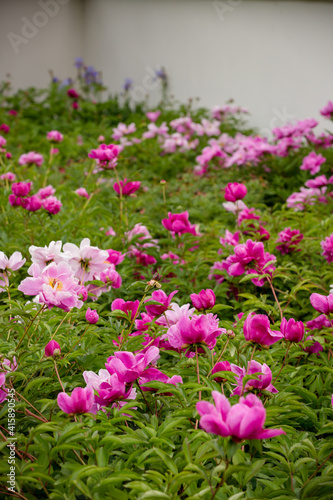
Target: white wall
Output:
[(273, 57), (34, 40)]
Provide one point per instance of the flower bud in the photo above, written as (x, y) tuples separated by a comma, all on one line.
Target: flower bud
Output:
[(52, 349), (92, 316)]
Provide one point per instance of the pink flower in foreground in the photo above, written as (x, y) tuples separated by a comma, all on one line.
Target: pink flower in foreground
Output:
[(82, 192), (179, 224), (292, 330), (105, 155), (80, 401), (54, 136), (312, 162), (55, 286), (120, 304), (31, 158), (21, 188), (115, 257), (111, 277), (164, 299), (205, 299), (125, 187), (52, 349), (257, 329), (235, 191), (203, 329), (230, 239), (128, 366), (153, 115), (327, 246), (52, 205), (14, 262), (86, 261), (264, 375), (92, 316), (32, 203), (244, 420), (289, 239), (322, 303)]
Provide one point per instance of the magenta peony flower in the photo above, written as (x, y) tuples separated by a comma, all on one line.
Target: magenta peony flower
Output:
[(322, 303), (312, 162), (92, 316), (120, 304), (221, 366), (52, 205), (109, 387), (54, 136), (4, 128), (292, 330), (154, 375), (318, 323), (264, 375), (327, 246), (82, 192), (164, 299), (314, 348), (9, 176), (244, 420), (179, 224), (230, 239), (111, 277), (32, 203), (72, 93), (327, 110), (125, 187), (205, 299), (203, 329), (130, 367), (235, 191), (257, 329), (289, 239), (21, 188), (45, 192), (52, 349), (106, 156), (115, 257), (55, 286), (80, 401), (31, 158)]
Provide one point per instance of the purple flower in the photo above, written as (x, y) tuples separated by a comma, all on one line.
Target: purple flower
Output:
[(244, 420)]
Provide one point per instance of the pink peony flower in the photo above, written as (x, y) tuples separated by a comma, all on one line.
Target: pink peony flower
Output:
[(115, 257), (106, 156), (45, 192), (179, 224), (244, 420), (111, 277), (203, 329), (230, 239), (205, 299), (312, 162), (31, 158), (257, 329), (174, 313), (45, 255), (125, 187), (110, 232), (327, 110), (153, 115), (4, 128), (292, 330), (3, 142), (264, 375), (86, 261), (52, 205), (164, 299), (72, 93), (82, 192), (54, 136), (21, 188), (9, 176), (235, 191), (55, 286), (120, 304), (130, 367), (154, 375), (322, 303), (92, 316), (314, 348), (289, 239), (14, 262), (327, 246), (318, 323), (32, 203), (221, 366), (109, 387), (52, 349), (80, 401)]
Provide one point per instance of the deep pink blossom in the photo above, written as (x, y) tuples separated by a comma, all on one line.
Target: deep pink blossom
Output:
[(230, 239), (203, 329), (235, 191), (52, 205), (125, 187), (111, 277), (318, 323), (174, 313), (179, 224), (32, 203), (327, 110), (292, 330), (126, 307), (153, 115), (54, 136), (80, 401), (264, 375), (244, 420), (205, 299), (221, 366), (105, 155), (163, 298), (55, 286), (108, 387), (314, 348), (52, 349), (72, 93), (289, 239), (322, 303), (92, 316), (312, 162), (21, 188), (130, 367), (155, 375), (4, 128), (115, 257), (82, 192), (257, 329), (327, 246), (45, 192)]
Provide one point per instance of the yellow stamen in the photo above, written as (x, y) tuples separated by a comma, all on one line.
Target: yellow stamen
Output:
[(55, 284)]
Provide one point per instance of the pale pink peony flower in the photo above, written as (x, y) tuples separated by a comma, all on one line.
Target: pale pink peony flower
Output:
[(14, 262), (82, 192), (54, 136), (45, 192), (31, 158), (9, 176), (174, 313), (86, 261), (44, 256), (153, 115)]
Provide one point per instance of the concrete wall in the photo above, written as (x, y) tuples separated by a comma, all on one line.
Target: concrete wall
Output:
[(273, 57)]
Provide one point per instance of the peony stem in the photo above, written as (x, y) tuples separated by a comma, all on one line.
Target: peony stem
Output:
[(28, 327), (276, 299), (283, 362)]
